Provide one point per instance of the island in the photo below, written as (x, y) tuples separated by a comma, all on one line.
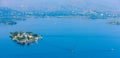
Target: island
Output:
[(25, 37), (114, 22)]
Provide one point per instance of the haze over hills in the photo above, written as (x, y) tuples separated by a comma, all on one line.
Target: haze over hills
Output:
[(89, 9), (68, 4)]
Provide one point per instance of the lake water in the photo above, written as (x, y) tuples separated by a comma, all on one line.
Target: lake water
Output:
[(67, 37)]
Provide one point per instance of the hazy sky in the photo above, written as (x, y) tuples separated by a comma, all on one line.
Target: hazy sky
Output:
[(93, 4)]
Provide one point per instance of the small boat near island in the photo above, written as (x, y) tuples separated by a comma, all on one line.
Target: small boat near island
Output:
[(25, 37)]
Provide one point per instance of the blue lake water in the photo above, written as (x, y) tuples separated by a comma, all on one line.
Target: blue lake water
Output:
[(68, 37)]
